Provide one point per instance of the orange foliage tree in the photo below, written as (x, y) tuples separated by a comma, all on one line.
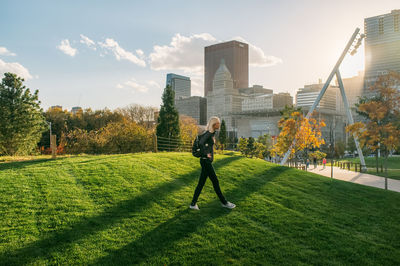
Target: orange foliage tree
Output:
[(304, 133), (188, 128), (381, 112)]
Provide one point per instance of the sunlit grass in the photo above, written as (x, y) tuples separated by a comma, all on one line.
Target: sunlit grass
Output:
[(133, 209)]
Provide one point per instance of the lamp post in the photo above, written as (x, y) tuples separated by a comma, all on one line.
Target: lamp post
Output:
[(331, 149)]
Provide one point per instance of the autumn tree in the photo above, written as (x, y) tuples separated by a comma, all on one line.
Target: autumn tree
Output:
[(143, 115), (304, 133), (242, 146), (188, 129), (319, 155), (381, 112)]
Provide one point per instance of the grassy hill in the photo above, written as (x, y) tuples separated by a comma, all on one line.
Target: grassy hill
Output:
[(133, 209)]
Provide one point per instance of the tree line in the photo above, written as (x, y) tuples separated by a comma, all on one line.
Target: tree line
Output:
[(24, 126)]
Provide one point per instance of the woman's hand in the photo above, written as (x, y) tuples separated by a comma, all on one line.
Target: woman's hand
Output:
[(209, 155)]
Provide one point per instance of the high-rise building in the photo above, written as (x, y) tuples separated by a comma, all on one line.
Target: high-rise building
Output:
[(180, 85), (255, 90), (56, 107), (76, 110), (224, 99), (280, 100), (236, 56), (327, 110), (195, 107), (382, 45), (305, 97)]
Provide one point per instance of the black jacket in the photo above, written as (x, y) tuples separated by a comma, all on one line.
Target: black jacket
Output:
[(206, 144)]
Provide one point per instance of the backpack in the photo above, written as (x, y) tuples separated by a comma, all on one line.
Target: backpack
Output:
[(196, 146)]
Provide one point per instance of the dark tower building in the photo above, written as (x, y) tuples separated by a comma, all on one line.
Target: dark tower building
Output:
[(236, 56)]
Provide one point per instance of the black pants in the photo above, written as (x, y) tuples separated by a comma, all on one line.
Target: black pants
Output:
[(207, 170)]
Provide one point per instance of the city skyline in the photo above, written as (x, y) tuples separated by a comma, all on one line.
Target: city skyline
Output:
[(110, 55)]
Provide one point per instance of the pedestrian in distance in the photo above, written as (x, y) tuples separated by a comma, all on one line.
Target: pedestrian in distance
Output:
[(206, 144), (307, 163), (315, 162), (324, 162)]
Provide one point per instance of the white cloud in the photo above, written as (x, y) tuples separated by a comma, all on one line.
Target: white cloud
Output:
[(133, 86), (257, 57), (5, 51), (66, 48), (187, 54), (153, 84), (16, 68), (139, 52), (136, 86), (85, 40), (183, 53), (122, 54)]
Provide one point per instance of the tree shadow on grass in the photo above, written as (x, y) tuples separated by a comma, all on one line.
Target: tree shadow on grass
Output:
[(43, 248), (183, 224), (27, 163)]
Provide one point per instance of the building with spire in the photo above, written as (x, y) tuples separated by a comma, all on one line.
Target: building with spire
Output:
[(224, 99), (236, 57)]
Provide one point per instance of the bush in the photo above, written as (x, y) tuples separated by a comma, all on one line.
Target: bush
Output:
[(116, 137)]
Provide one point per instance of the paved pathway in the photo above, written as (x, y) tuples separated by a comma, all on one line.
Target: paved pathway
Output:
[(355, 177)]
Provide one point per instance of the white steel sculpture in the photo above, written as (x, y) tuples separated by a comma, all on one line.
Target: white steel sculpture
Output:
[(354, 42)]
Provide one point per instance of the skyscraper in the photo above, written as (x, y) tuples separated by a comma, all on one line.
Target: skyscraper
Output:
[(382, 45), (180, 84), (194, 106), (236, 56), (224, 99), (305, 97)]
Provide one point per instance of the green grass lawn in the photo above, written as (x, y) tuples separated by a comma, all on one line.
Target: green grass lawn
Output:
[(393, 166), (133, 209)]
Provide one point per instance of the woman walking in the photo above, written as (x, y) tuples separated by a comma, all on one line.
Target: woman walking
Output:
[(206, 144)]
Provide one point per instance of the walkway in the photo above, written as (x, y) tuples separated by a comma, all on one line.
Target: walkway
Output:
[(355, 177)]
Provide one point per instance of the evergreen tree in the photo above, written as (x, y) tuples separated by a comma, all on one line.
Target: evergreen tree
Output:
[(222, 134), (250, 146), (21, 118), (168, 119)]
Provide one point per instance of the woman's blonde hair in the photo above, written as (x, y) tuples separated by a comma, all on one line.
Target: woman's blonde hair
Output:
[(211, 122)]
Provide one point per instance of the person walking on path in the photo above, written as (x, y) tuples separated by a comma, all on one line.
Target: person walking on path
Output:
[(307, 163), (324, 162), (206, 144), (315, 162)]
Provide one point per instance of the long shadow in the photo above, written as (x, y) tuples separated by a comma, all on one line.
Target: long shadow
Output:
[(183, 224), (355, 178), (44, 247), (23, 164)]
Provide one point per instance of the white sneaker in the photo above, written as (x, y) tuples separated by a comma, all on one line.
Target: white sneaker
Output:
[(195, 207), (229, 205)]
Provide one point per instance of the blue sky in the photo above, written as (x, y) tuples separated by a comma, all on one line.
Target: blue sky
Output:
[(113, 53)]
